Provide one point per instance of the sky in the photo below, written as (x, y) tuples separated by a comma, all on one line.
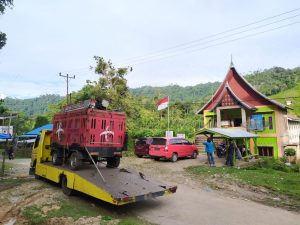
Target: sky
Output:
[(165, 41)]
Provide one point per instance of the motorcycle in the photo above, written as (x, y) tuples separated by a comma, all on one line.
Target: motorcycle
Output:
[(221, 150)]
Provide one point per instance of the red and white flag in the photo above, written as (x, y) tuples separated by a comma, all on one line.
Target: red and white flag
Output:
[(162, 104)]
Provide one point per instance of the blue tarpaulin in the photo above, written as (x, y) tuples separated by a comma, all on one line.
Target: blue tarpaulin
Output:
[(36, 131), (256, 122), (5, 136)]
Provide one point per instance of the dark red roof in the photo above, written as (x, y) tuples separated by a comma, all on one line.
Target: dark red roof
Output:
[(239, 89)]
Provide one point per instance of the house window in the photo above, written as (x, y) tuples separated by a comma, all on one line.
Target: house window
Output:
[(264, 121), (270, 123), (265, 151)]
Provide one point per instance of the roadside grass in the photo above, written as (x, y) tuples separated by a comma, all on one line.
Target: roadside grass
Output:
[(7, 166), (271, 174), (34, 214), (7, 183), (133, 221)]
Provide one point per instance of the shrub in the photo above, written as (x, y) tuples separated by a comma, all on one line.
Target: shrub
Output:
[(290, 152), (284, 159)]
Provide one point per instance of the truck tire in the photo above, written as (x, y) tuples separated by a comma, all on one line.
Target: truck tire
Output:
[(113, 162), (76, 160), (174, 157), (67, 191), (55, 159), (194, 155)]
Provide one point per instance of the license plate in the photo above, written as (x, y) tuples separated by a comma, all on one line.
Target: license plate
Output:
[(157, 149)]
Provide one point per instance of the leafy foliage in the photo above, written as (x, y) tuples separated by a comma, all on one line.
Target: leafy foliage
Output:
[(40, 121), (3, 5), (290, 152), (22, 124), (3, 109), (2, 39)]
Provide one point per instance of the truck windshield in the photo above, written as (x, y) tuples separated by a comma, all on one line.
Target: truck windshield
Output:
[(158, 141)]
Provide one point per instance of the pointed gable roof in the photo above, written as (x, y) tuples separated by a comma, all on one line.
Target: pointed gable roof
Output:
[(240, 90)]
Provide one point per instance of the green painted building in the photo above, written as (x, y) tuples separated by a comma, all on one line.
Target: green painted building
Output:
[(236, 104)]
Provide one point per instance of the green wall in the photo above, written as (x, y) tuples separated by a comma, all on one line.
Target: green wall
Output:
[(268, 142)]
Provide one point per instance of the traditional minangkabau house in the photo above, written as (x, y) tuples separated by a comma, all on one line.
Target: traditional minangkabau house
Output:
[(236, 104)]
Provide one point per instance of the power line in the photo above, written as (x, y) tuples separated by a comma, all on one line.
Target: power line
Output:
[(150, 55), (208, 37), (212, 40), (218, 44)]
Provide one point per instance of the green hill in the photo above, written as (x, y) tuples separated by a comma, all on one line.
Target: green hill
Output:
[(176, 92), (292, 95), (32, 106), (274, 80), (269, 82)]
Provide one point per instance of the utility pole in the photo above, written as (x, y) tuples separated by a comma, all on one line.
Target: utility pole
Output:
[(67, 79)]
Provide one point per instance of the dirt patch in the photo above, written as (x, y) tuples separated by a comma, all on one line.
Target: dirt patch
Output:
[(80, 221), (14, 200)]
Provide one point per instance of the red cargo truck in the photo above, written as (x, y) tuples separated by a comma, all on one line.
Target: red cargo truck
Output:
[(87, 131)]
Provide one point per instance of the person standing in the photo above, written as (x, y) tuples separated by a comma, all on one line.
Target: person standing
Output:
[(209, 149), (229, 159)]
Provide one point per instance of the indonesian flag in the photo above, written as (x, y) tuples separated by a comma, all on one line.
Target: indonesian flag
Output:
[(162, 104)]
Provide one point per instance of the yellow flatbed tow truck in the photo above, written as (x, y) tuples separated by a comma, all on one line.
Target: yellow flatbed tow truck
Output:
[(117, 186)]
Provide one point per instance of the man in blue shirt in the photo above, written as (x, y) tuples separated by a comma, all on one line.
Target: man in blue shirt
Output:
[(209, 149)]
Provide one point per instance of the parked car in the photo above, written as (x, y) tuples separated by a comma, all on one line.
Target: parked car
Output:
[(172, 148), (141, 147)]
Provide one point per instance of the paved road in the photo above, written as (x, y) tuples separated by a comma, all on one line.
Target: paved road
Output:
[(195, 207), (197, 204)]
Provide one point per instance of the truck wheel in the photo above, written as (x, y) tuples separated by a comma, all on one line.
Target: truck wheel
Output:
[(174, 157), (195, 154), (55, 159), (67, 191), (76, 160), (113, 162)]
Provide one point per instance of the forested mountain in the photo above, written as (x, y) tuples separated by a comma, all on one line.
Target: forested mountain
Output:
[(32, 106), (269, 82), (274, 80), (176, 92)]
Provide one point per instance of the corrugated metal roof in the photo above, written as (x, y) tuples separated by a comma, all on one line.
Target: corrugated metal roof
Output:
[(228, 132), (36, 131)]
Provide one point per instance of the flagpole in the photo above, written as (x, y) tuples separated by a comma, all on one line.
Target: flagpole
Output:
[(168, 114)]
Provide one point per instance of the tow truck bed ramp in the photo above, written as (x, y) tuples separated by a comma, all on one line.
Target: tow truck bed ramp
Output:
[(119, 186)]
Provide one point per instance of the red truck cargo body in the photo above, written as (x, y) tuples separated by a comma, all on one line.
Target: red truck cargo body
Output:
[(97, 130)]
